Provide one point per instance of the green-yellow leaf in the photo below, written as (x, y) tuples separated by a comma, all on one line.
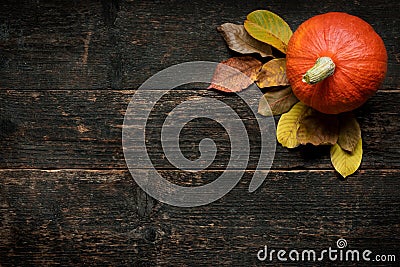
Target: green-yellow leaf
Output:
[(318, 129), (273, 73), (346, 163), (240, 41), (288, 124), (349, 132), (277, 102), (269, 28)]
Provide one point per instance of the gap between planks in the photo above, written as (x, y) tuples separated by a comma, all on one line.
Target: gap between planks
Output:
[(105, 170)]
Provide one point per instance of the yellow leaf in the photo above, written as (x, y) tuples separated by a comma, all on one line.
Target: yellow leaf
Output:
[(276, 102), (288, 124), (344, 162), (269, 28), (228, 80), (349, 132), (240, 41), (273, 73)]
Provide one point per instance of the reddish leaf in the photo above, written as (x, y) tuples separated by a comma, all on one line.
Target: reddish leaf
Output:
[(230, 80)]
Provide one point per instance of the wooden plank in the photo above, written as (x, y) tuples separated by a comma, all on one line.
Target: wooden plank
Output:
[(77, 217), (119, 44), (92, 213), (82, 129), (57, 44)]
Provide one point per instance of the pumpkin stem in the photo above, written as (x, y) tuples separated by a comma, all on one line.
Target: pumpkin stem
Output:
[(323, 68)]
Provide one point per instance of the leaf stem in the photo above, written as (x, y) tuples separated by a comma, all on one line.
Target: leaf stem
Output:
[(323, 68)]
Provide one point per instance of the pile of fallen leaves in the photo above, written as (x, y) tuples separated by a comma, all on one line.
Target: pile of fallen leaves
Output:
[(266, 34)]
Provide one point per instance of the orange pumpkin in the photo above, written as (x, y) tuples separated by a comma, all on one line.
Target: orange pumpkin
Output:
[(335, 62)]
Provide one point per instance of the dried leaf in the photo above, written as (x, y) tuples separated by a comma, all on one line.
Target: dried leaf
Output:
[(277, 102), (229, 80), (344, 162), (288, 124), (318, 129), (240, 41), (268, 28), (349, 132), (273, 73)]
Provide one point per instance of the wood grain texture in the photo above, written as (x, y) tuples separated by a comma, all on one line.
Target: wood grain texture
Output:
[(83, 129), (68, 70), (79, 217), (119, 44)]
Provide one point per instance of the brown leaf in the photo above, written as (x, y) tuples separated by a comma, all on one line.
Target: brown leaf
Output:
[(273, 73), (230, 80), (240, 41), (277, 102), (349, 132), (318, 129)]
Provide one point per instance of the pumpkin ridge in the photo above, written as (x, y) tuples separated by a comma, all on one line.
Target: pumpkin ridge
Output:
[(356, 88)]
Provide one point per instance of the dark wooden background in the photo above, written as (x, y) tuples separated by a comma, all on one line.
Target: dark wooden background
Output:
[(68, 69)]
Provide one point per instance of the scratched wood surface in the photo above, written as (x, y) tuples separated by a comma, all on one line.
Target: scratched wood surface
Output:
[(68, 70)]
